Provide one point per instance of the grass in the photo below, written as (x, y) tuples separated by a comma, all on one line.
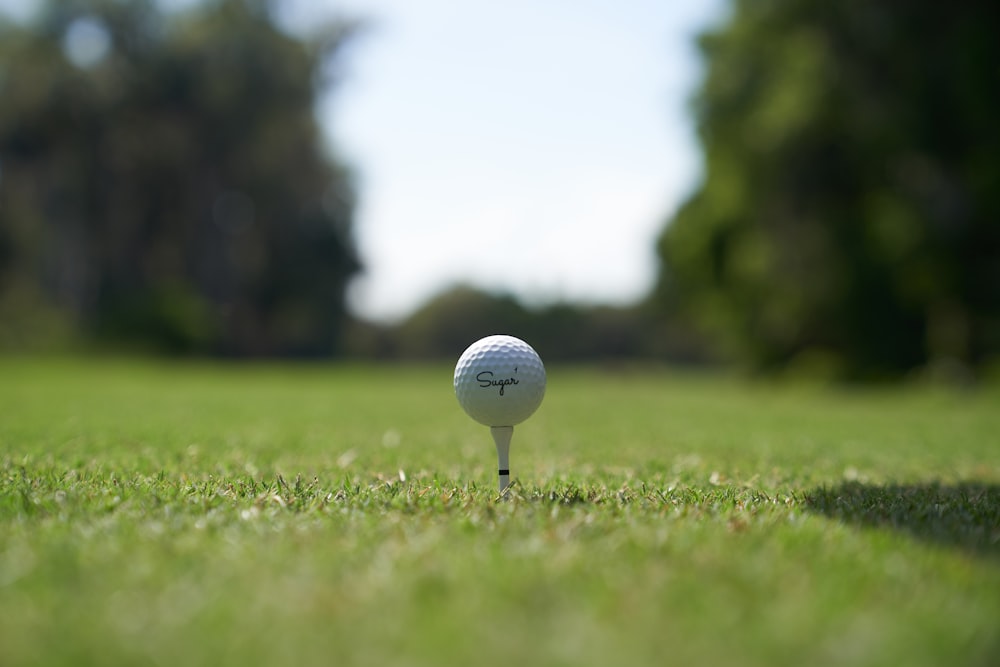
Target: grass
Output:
[(183, 514)]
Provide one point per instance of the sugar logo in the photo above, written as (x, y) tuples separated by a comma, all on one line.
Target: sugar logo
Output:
[(486, 380)]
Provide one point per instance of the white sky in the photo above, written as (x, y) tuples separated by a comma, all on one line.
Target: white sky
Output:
[(531, 146)]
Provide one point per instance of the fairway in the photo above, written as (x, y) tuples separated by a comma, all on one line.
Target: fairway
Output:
[(213, 514)]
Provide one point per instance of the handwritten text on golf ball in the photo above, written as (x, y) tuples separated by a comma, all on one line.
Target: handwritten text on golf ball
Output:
[(485, 379)]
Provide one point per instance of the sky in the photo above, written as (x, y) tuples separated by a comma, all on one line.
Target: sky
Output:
[(530, 147)]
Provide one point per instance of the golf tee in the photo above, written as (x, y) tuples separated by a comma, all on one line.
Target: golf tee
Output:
[(501, 436)]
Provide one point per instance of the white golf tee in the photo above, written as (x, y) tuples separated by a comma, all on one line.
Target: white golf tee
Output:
[(501, 436)]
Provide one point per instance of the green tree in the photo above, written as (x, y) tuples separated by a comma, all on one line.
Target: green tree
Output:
[(163, 180), (457, 317), (850, 209)]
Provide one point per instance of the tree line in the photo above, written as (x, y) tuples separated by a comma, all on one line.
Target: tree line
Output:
[(164, 186)]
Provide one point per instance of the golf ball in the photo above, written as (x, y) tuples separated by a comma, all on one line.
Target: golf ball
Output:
[(500, 381)]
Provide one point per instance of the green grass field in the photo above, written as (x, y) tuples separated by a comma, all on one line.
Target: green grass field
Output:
[(180, 514)]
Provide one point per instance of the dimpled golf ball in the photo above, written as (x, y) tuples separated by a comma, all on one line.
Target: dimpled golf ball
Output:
[(500, 381)]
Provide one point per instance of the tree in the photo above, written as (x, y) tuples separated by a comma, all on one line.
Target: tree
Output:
[(851, 198), (459, 316), (164, 181)]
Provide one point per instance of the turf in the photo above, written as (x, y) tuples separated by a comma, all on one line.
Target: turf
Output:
[(183, 514)]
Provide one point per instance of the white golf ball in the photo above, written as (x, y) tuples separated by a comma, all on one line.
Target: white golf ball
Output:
[(500, 381)]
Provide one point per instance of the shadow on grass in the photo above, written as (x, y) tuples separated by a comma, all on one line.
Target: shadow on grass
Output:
[(964, 515)]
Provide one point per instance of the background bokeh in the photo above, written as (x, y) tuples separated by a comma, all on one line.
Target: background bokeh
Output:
[(165, 188)]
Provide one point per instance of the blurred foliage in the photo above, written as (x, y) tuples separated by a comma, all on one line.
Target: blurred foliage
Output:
[(454, 319), (849, 219), (163, 182)]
